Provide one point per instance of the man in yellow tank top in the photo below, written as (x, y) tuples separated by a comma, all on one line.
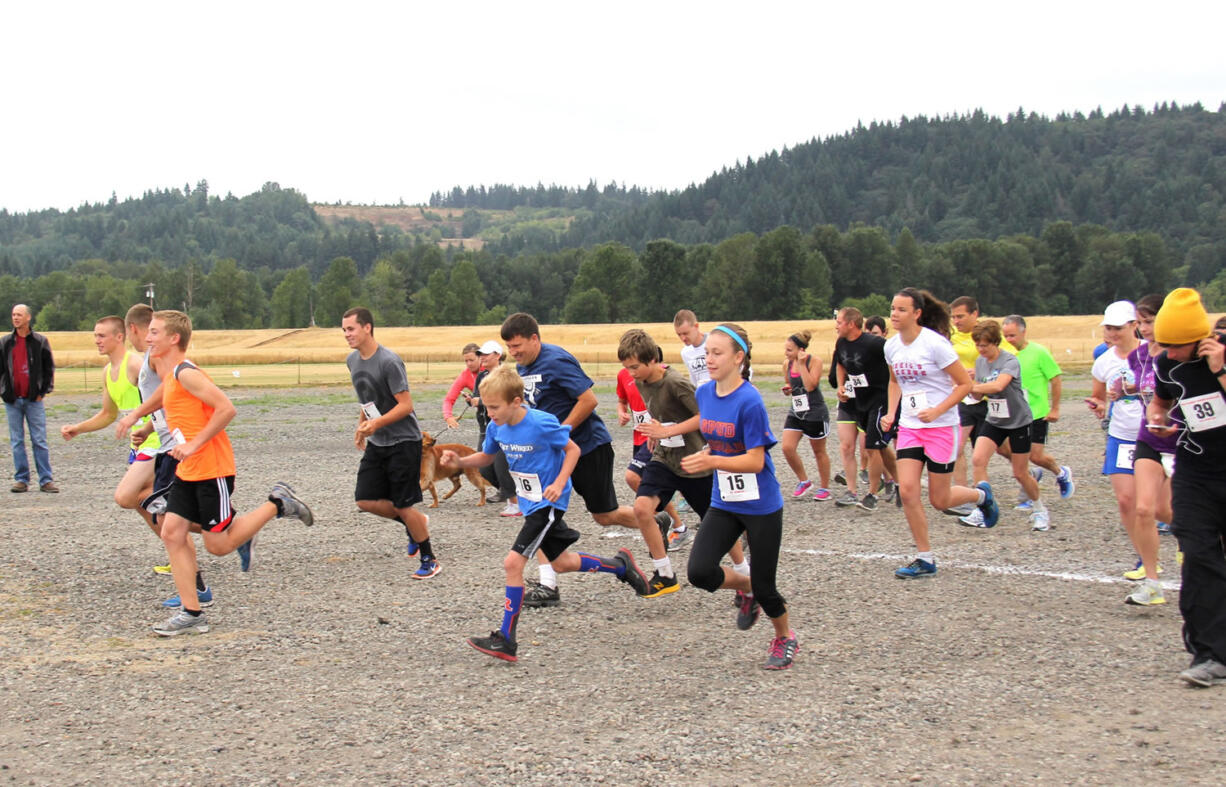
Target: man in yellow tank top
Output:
[(120, 396), (197, 412)]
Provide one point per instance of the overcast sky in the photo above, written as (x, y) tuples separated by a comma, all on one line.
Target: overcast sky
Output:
[(375, 102)]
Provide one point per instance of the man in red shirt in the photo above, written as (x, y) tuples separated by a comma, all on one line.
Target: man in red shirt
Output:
[(27, 374)]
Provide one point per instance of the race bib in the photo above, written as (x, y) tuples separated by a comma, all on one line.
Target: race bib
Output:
[(912, 403), (159, 420), (800, 403), (1204, 412), (530, 381), (676, 441), (1124, 456), (971, 400), (528, 485), (178, 436), (370, 410), (849, 388), (998, 408), (1168, 464), (736, 487), (639, 417), (858, 380)]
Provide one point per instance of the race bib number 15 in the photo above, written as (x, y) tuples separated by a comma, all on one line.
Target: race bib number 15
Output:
[(736, 487)]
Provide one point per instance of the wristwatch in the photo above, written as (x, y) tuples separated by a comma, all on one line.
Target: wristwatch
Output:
[(1221, 372)]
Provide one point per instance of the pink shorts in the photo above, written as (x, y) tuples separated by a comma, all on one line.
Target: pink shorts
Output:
[(939, 443)]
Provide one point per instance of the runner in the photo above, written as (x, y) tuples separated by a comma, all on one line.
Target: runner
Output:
[(1108, 399), (1041, 381), (556, 383), (693, 346), (808, 414), (197, 412), (745, 497), (998, 382), (1190, 376), (861, 367), (1152, 466), (927, 381), (877, 327), (631, 408), (389, 477), (542, 457)]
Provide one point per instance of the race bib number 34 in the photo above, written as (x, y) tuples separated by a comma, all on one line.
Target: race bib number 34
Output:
[(1207, 411), (736, 487)]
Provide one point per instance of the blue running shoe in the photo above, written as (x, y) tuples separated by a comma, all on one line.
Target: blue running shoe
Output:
[(917, 570), (244, 554), (991, 511), (429, 567), (1024, 505), (1065, 482), (1164, 529), (412, 548), (205, 597)]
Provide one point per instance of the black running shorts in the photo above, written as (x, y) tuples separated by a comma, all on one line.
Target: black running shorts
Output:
[(390, 472), (207, 503)]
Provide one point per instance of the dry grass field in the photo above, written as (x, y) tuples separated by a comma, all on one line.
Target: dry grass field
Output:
[(315, 356)]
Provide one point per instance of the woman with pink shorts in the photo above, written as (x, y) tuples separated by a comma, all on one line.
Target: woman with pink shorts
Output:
[(926, 383)]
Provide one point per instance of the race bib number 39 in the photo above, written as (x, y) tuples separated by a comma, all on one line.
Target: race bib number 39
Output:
[(1207, 411), (736, 487), (528, 485), (913, 403)]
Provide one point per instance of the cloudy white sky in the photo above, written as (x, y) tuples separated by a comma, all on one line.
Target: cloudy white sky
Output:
[(375, 102)]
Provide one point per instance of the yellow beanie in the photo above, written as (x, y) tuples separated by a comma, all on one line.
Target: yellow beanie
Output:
[(1182, 318)]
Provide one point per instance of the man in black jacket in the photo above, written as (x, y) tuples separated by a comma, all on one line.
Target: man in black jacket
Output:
[(27, 374)]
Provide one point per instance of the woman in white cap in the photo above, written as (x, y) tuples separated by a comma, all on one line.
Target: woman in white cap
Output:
[(499, 473), (1109, 398)]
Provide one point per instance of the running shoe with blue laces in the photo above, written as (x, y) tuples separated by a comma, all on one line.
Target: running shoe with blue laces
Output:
[(205, 597), (917, 569), (991, 511), (1065, 482), (429, 567), (801, 488)]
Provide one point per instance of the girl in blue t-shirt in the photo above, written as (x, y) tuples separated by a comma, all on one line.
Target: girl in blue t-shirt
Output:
[(745, 497)]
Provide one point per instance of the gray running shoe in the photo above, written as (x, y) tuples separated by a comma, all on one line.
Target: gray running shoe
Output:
[(864, 476), (888, 491), (677, 540), (537, 595), (291, 506), (665, 523), (1205, 674), (840, 479), (782, 652), (963, 510), (1148, 594), (747, 611), (847, 500), (868, 502), (182, 623)]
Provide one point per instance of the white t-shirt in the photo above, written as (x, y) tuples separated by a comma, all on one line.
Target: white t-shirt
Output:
[(695, 359), (1126, 412), (919, 368)]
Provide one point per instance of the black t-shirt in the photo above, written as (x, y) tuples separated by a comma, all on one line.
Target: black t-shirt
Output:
[(865, 356), (1198, 394)]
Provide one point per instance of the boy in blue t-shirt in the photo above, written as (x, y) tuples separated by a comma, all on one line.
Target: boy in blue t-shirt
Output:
[(541, 457)]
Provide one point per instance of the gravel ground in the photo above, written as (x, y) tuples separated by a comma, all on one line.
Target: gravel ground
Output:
[(327, 664)]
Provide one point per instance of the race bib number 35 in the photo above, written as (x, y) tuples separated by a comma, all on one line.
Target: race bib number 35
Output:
[(528, 485), (800, 403), (1207, 411), (736, 487)]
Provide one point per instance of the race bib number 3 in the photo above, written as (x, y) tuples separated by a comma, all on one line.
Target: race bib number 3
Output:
[(1204, 412), (849, 389), (998, 409), (528, 485), (800, 403), (912, 403), (1124, 456), (737, 487)]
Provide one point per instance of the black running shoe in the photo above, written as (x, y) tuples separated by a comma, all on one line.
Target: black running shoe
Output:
[(495, 645), (658, 586), (537, 595), (632, 576)]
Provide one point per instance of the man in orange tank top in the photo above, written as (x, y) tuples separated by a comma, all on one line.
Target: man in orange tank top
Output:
[(197, 413)]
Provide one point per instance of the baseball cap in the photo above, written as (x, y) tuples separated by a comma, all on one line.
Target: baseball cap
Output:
[(1119, 313), (490, 348)]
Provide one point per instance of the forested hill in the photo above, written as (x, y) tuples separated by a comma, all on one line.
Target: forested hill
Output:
[(975, 176)]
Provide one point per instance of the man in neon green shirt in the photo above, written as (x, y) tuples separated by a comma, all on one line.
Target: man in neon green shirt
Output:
[(1040, 374)]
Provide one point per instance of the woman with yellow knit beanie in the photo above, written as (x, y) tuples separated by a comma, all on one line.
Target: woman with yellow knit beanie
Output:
[(1191, 375)]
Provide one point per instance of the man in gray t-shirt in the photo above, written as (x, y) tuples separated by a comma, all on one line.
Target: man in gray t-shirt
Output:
[(389, 477)]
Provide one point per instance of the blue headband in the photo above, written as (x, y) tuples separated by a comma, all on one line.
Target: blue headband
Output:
[(735, 337)]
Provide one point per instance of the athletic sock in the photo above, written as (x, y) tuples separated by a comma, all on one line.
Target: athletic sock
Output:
[(549, 576), (1038, 505), (195, 613), (982, 495), (928, 557), (741, 568), (510, 612), (681, 529), (276, 501), (592, 563), (200, 581), (426, 551), (664, 567)]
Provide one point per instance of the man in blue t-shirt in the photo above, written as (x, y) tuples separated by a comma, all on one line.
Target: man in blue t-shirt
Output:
[(542, 459), (556, 383)]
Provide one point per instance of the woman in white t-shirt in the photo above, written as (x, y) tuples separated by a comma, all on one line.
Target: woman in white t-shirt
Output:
[(1108, 399), (926, 383)]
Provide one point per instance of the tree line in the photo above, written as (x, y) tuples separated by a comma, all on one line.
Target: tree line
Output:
[(781, 274)]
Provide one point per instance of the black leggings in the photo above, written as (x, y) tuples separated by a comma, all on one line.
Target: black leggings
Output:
[(720, 530)]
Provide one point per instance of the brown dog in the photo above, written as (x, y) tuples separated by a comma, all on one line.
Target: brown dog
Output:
[(432, 469)]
